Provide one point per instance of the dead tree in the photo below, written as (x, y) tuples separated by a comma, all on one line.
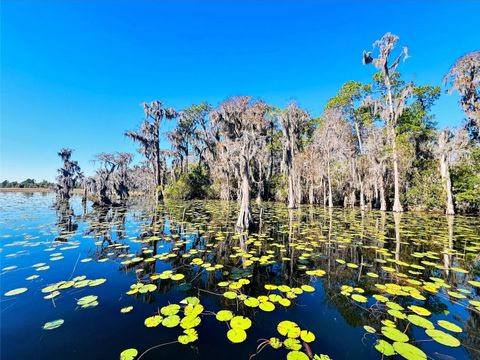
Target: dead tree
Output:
[(390, 105), (110, 184), (68, 176), (149, 140)]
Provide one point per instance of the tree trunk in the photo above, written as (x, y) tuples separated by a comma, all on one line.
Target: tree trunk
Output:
[(260, 185), (244, 217), (362, 196), (291, 173), (324, 193), (311, 195), (158, 180), (352, 198), (330, 196), (397, 205), (381, 188), (447, 185)]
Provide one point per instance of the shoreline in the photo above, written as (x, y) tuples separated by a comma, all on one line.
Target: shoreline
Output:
[(33, 190), (26, 190)]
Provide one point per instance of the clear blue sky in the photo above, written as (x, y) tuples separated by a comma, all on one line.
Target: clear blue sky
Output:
[(73, 74)]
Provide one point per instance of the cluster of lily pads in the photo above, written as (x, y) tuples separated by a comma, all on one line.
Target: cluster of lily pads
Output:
[(296, 341), (53, 290), (394, 313)]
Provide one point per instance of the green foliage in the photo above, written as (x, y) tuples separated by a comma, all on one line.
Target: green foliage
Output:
[(349, 93), (278, 186), (466, 183), (193, 185), (415, 118), (425, 191), (179, 190)]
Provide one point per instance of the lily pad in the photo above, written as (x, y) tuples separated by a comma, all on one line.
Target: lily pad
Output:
[(409, 351), (394, 334), (14, 292), (171, 321), (443, 338), (153, 321), (224, 315), (297, 355), (289, 329), (236, 335), (53, 324), (307, 336), (240, 322), (128, 354), (449, 326), (384, 348)]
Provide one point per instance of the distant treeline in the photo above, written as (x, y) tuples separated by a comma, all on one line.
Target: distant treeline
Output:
[(28, 183)]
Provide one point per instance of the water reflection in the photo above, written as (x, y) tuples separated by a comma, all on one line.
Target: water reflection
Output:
[(141, 242)]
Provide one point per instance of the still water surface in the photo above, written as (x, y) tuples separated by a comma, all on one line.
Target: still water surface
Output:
[(368, 269)]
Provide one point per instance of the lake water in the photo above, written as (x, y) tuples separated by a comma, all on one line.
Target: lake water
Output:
[(338, 274)]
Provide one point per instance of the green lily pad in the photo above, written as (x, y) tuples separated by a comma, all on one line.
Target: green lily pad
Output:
[(193, 310), (369, 329), (359, 298), (443, 338), (449, 326), (171, 309), (224, 315), (189, 335), (307, 336), (128, 354), (384, 348), (420, 321), (126, 309), (53, 324), (409, 351), (289, 329), (275, 343), (14, 292), (297, 355), (153, 321), (87, 300), (190, 321), (236, 335), (240, 322), (251, 302), (97, 282), (420, 310), (292, 344), (267, 306), (394, 334), (171, 321)]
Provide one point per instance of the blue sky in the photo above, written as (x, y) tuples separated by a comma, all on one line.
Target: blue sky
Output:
[(73, 74)]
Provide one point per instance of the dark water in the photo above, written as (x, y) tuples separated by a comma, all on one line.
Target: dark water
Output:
[(430, 256)]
